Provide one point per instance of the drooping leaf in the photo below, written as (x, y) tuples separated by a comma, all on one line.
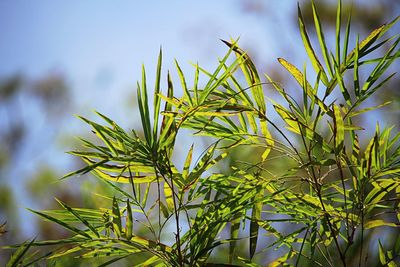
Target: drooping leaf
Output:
[(308, 89), (378, 223)]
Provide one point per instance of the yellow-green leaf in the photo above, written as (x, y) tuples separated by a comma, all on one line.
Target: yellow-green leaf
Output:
[(300, 80), (168, 196), (310, 51), (338, 128), (129, 221), (378, 223)]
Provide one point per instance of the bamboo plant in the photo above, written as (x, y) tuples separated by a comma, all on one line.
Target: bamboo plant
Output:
[(320, 211)]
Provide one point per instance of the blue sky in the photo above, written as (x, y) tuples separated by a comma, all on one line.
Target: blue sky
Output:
[(100, 45), (83, 36)]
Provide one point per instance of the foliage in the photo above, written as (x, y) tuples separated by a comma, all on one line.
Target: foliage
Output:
[(327, 203)]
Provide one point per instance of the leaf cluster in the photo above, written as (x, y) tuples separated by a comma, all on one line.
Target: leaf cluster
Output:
[(337, 194)]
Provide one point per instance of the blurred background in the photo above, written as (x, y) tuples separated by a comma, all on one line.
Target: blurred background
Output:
[(60, 58)]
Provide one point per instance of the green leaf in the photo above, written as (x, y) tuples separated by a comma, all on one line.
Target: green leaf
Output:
[(144, 108), (164, 209), (195, 86), (255, 218), (187, 163), (321, 38), (299, 78), (129, 220), (204, 164), (72, 250), (268, 139), (378, 223), (214, 82), (18, 255), (136, 179), (381, 67), (339, 78), (251, 75), (102, 133), (338, 129), (234, 231), (382, 257), (157, 99), (347, 37), (150, 261), (116, 218), (367, 42), (310, 51), (338, 26), (86, 169), (168, 196), (113, 260), (79, 217), (62, 223), (361, 111), (183, 83), (168, 126), (356, 75)]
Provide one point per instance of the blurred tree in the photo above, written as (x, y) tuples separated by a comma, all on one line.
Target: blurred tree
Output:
[(20, 97), (366, 16)]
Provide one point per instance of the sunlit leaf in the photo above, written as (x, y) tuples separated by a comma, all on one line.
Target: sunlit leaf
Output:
[(116, 218), (299, 78), (378, 223), (18, 255), (338, 128), (310, 51)]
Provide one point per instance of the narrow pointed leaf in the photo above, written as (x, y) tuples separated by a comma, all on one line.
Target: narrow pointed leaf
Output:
[(129, 220), (346, 38), (338, 128), (378, 223), (62, 223), (299, 78), (321, 38), (234, 228), (116, 215), (157, 99), (187, 163), (338, 29), (361, 111), (79, 217), (310, 51), (168, 196), (356, 74), (343, 88), (254, 226), (183, 83), (18, 255)]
